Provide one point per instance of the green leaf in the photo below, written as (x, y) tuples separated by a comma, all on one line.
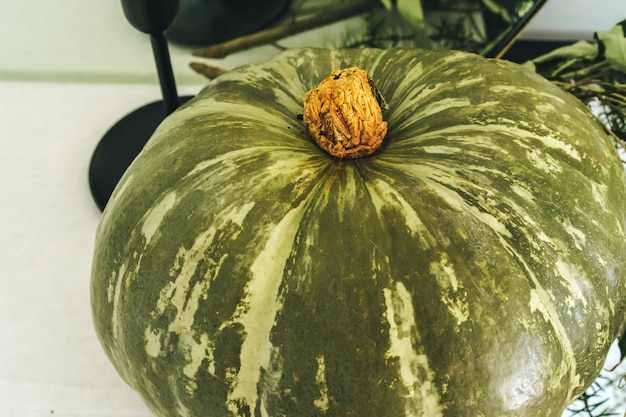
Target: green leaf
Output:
[(579, 50), (614, 45), (559, 59), (497, 9), (413, 14)]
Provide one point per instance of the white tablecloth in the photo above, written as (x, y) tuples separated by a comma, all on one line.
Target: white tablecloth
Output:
[(50, 358)]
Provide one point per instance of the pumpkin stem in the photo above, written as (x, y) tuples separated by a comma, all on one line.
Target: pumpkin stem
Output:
[(344, 115)]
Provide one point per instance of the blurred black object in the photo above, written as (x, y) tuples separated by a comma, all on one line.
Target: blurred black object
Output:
[(205, 22)]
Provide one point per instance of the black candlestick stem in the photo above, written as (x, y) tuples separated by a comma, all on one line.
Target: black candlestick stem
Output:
[(124, 140), (164, 69)]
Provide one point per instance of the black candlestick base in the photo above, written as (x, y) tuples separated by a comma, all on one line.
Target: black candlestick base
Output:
[(119, 147)]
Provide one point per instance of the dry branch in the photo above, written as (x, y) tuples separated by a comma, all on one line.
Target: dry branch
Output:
[(271, 35)]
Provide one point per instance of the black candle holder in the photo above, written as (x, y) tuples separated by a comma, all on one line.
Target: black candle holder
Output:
[(126, 138)]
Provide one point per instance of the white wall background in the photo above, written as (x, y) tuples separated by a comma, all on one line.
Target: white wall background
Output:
[(575, 19), (78, 40)]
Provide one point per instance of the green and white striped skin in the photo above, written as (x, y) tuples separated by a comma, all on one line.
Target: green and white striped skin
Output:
[(472, 267)]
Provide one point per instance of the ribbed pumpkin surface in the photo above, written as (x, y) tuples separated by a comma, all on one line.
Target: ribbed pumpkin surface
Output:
[(472, 267)]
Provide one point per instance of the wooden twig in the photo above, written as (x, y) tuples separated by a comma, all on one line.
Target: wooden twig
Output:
[(222, 50), (208, 71), (621, 143), (370, 40), (598, 68)]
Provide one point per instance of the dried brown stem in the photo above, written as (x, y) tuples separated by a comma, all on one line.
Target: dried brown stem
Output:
[(343, 114), (222, 50), (208, 71), (593, 70), (621, 142)]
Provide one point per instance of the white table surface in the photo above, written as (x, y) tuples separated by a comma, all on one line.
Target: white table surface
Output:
[(68, 70)]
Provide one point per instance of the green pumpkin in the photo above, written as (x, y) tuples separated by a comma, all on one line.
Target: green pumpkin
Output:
[(472, 266)]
